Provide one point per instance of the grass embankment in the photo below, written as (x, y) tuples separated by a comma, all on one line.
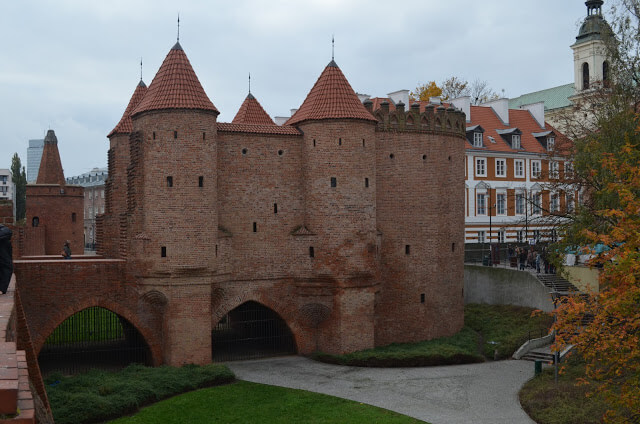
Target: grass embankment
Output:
[(564, 403), (101, 395), (490, 332), (249, 403)]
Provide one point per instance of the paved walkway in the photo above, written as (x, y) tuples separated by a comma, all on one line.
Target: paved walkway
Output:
[(484, 393)]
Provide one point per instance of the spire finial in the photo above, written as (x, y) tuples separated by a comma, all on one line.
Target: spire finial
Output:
[(332, 46), (140, 68), (178, 26), (249, 82)]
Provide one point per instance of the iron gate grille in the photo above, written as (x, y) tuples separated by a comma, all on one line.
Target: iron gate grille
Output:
[(93, 338), (251, 331)]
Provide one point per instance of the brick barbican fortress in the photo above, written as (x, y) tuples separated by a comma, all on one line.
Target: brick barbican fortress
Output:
[(347, 222)]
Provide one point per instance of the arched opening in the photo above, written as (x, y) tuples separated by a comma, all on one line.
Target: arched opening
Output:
[(585, 76), (251, 331), (93, 338), (605, 73)]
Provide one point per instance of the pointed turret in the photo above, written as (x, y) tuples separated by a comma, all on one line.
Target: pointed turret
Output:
[(175, 86), (331, 98), (251, 112), (125, 126), (50, 171)]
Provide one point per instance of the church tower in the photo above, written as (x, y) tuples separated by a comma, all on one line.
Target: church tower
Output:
[(589, 52)]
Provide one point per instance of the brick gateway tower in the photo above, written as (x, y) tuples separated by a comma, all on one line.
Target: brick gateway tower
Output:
[(346, 223)]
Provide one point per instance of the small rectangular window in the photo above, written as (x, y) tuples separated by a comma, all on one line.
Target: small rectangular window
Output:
[(515, 141), (275, 208), (200, 181), (477, 139), (536, 169), (501, 167), (481, 167), (334, 182), (366, 182), (407, 249), (255, 227), (311, 252), (169, 181), (175, 134), (154, 135), (519, 168), (422, 297), (163, 252)]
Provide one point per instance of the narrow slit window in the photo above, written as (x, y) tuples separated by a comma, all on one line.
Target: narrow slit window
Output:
[(366, 182), (255, 227), (407, 249), (175, 134), (169, 181), (334, 182), (363, 143), (154, 135), (275, 208), (311, 252), (216, 250), (73, 217), (422, 297), (163, 252), (314, 142), (204, 136), (339, 142), (201, 181), (453, 247)]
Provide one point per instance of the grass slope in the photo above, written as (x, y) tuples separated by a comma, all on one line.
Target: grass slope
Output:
[(248, 403)]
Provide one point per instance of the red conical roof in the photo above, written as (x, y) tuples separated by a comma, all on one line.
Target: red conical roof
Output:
[(251, 112), (50, 171), (331, 98), (125, 126), (175, 86)]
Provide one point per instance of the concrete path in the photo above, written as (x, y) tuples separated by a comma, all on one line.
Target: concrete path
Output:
[(457, 394)]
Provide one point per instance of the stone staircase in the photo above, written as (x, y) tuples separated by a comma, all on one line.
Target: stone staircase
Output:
[(541, 354), (557, 284)]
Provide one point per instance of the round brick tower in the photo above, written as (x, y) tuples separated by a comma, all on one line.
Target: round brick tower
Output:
[(172, 202), (340, 202)]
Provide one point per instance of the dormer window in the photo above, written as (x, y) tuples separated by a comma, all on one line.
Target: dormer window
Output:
[(475, 135), (477, 139), (551, 142), (515, 141)]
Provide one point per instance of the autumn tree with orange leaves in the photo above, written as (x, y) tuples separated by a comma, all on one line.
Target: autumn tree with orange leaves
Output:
[(604, 327)]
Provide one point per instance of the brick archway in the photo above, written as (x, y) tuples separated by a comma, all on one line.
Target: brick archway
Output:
[(57, 318)]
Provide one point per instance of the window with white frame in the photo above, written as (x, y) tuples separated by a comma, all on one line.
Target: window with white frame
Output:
[(536, 204), (570, 205), (481, 204), (554, 235), (521, 204), (554, 169), (480, 236), (554, 203), (515, 141), (501, 167), (501, 204), (551, 143), (477, 139), (536, 169), (536, 235), (568, 170), (521, 236), (518, 166), (501, 236), (481, 167)]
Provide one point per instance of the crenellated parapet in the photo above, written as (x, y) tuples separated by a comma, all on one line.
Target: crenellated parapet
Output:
[(429, 118)]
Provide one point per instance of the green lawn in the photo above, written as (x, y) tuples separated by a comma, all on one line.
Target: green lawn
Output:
[(248, 403), (490, 332)]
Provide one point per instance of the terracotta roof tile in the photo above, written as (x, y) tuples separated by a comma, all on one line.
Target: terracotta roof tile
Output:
[(331, 98), (258, 129), (175, 86), (251, 112), (50, 171), (125, 126)]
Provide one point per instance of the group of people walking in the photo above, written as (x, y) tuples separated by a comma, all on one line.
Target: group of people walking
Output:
[(537, 259)]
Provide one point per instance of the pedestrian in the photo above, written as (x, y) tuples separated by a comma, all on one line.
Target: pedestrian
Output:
[(523, 258), (530, 259), (6, 258), (538, 260), (66, 250)]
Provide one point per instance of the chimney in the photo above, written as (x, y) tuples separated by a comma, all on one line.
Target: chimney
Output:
[(280, 120), (500, 107), (537, 110), (399, 96), (293, 111), (435, 100), (463, 103)]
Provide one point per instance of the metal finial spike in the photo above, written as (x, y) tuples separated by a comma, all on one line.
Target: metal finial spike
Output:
[(141, 69), (178, 27), (332, 46), (249, 82)]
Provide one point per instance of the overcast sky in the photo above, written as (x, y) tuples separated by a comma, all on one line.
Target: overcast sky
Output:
[(72, 65)]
